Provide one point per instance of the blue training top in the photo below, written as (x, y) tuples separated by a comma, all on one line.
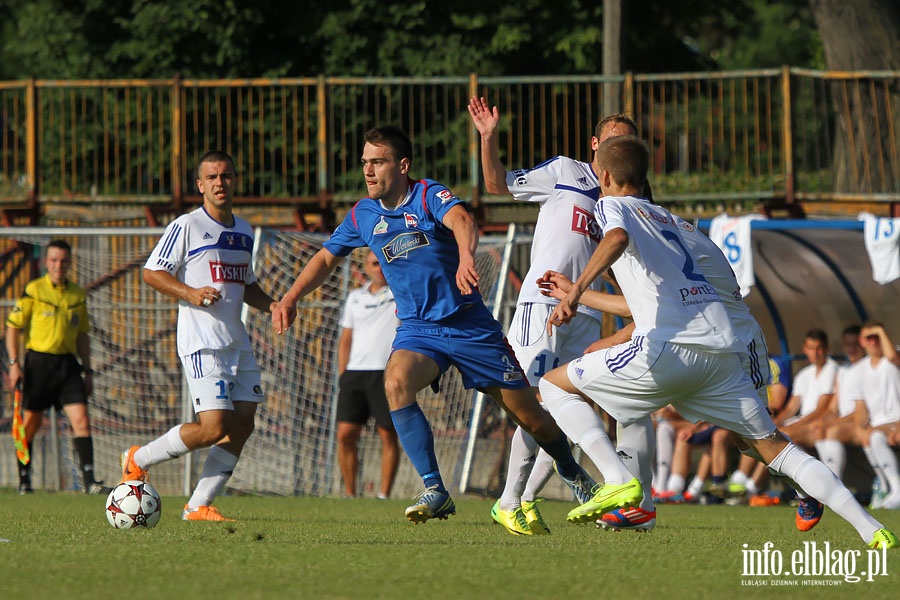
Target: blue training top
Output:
[(418, 253)]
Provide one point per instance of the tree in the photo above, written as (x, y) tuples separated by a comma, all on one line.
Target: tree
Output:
[(862, 35)]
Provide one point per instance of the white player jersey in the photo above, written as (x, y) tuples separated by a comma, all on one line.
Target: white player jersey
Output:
[(566, 233), (671, 299), (848, 388), (880, 387), (718, 272), (811, 386), (373, 319), (199, 251)]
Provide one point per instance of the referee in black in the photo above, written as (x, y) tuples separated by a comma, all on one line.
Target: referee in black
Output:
[(52, 314)]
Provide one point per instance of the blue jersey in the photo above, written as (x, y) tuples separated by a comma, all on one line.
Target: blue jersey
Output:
[(418, 254)]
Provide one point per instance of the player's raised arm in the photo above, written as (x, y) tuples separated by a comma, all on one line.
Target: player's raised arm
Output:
[(486, 121), (465, 231), (317, 270)]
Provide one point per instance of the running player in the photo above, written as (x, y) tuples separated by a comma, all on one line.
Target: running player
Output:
[(203, 261), (684, 350), (425, 240), (565, 236)]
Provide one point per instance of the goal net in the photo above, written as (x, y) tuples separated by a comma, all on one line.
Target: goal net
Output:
[(138, 383)]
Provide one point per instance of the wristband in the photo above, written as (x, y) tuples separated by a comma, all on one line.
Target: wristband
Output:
[(13, 361)]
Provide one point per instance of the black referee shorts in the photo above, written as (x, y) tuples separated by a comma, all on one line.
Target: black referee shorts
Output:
[(51, 380), (362, 396)]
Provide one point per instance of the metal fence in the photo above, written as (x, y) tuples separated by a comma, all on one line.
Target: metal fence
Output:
[(775, 135)]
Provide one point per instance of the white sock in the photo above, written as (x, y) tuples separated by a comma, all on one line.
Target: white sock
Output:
[(750, 486), (636, 449), (696, 487), (818, 481), (738, 478), (540, 475), (887, 461), (522, 450), (217, 470), (665, 448), (833, 454), (166, 447), (676, 483), (583, 426)]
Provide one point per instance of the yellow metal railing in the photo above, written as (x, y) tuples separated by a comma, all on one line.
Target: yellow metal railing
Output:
[(775, 135)]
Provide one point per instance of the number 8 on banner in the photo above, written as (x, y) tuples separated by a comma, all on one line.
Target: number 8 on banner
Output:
[(18, 430)]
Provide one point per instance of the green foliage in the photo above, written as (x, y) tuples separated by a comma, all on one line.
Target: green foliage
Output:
[(331, 548)]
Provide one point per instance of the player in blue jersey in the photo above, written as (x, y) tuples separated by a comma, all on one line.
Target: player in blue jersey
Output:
[(425, 240)]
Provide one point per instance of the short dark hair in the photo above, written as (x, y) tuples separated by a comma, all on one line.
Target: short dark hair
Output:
[(817, 335), (627, 159), (618, 118), (215, 156), (61, 244), (851, 330), (392, 137)]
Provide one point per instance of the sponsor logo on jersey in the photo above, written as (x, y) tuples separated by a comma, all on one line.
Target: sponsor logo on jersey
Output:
[(412, 221), (445, 196), (579, 372), (582, 181), (521, 176), (161, 262), (228, 273), (207, 236), (698, 294), (403, 244), (652, 216), (583, 223), (380, 227)]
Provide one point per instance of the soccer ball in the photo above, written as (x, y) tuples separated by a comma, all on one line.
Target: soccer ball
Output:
[(133, 505)]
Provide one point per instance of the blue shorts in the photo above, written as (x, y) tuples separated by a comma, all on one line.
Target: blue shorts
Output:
[(472, 341)]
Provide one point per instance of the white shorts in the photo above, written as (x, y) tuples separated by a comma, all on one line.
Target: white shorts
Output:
[(539, 353), (632, 380), (218, 378)]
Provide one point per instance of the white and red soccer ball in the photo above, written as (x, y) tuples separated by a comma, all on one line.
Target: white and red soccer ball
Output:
[(133, 505)]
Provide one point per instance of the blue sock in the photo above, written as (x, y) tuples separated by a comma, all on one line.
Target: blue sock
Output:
[(418, 443), (562, 454)]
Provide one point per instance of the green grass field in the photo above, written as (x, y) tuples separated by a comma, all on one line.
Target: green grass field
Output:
[(60, 546)]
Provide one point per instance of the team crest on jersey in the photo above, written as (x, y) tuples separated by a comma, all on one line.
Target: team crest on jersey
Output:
[(686, 226), (583, 223), (403, 244), (228, 272), (75, 320), (521, 176), (445, 196), (380, 227), (412, 221)]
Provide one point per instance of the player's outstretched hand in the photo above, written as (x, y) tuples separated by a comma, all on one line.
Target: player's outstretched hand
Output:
[(283, 315), (466, 276), (562, 313), (554, 285), (484, 118)]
